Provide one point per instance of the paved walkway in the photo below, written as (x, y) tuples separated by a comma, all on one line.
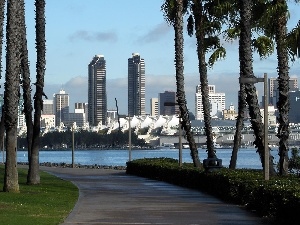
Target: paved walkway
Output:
[(112, 197)]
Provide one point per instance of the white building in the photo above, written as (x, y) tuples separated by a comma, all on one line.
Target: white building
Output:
[(48, 121), (217, 103)]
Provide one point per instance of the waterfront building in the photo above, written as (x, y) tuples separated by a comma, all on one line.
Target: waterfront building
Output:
[(217, 103), (273, 89), (97, 98), (271, 115), (168, 103), (230, 114), (154, 107), (136, 85), (61, 107)]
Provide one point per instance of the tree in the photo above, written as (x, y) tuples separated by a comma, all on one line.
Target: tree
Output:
[(33, 175), (207, 22), (12, 92), (2, 127), (274, 25), (173, 11), (246, 71)]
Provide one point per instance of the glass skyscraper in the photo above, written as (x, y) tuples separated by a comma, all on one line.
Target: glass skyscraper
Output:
[(97, 99), (136, 85)]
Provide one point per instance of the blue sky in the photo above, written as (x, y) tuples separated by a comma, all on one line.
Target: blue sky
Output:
[(76, 30)]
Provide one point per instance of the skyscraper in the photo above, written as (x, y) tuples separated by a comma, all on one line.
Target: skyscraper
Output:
[(61, 107), (97, 99), (136, 85), (168, 103)]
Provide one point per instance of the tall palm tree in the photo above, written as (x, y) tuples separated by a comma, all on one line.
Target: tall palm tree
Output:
[(33, 175), (207, 24), (26, 84), (173, 11), (12, 92), (2, 11), (263, 45), (246, 71), (283, 83), (274, 24)]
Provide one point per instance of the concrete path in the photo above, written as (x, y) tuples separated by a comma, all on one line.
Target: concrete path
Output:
[(114, 198)]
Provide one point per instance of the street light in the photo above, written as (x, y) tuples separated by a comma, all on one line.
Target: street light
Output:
[(252, 80)]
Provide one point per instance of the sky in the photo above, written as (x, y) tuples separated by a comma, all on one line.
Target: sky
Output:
[(76, 30)]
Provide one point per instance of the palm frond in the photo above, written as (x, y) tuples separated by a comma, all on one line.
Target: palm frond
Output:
[(219, 53), (264, 46)]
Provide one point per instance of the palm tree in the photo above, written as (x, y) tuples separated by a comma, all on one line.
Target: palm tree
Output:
[(12, 92), (283, 83), (246, 71), (26, 84), (173, 11), (274, 24), (2, 6), (207, 22), (33, 174)]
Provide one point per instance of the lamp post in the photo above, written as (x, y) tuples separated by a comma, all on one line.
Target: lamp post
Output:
[(252, 80), (73, 164)]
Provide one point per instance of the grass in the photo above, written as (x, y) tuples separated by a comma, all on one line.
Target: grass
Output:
[(46, 204)]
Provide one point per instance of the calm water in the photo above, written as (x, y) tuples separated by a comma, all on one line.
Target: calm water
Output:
[(247, 158)]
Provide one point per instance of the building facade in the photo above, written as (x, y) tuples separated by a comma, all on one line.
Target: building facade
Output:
[(48, 107), (217, 103), (273, 89), (136, 85), (154, 107), (97, 98), (61, 107), (168, 103)]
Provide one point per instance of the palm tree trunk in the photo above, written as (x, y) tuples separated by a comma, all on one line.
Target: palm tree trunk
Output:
[(26, 83), (239, 126), (283, 88), (11, 94), (203, 78), (246, 71), (2, 7), (181, 98), (38, 101)]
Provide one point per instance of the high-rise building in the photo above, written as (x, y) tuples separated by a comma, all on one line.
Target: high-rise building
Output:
[(168, 103), (97, 99), (136, 85), (48, 107), (217, 102), (61, 107), (273, 89), (154, 106)]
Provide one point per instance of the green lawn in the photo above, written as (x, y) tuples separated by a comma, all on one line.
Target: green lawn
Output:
[(47, 203)]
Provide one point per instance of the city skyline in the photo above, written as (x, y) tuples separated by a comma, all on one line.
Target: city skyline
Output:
[(84, 32)]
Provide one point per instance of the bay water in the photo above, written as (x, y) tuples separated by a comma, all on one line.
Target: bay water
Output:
[(247, 158)]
